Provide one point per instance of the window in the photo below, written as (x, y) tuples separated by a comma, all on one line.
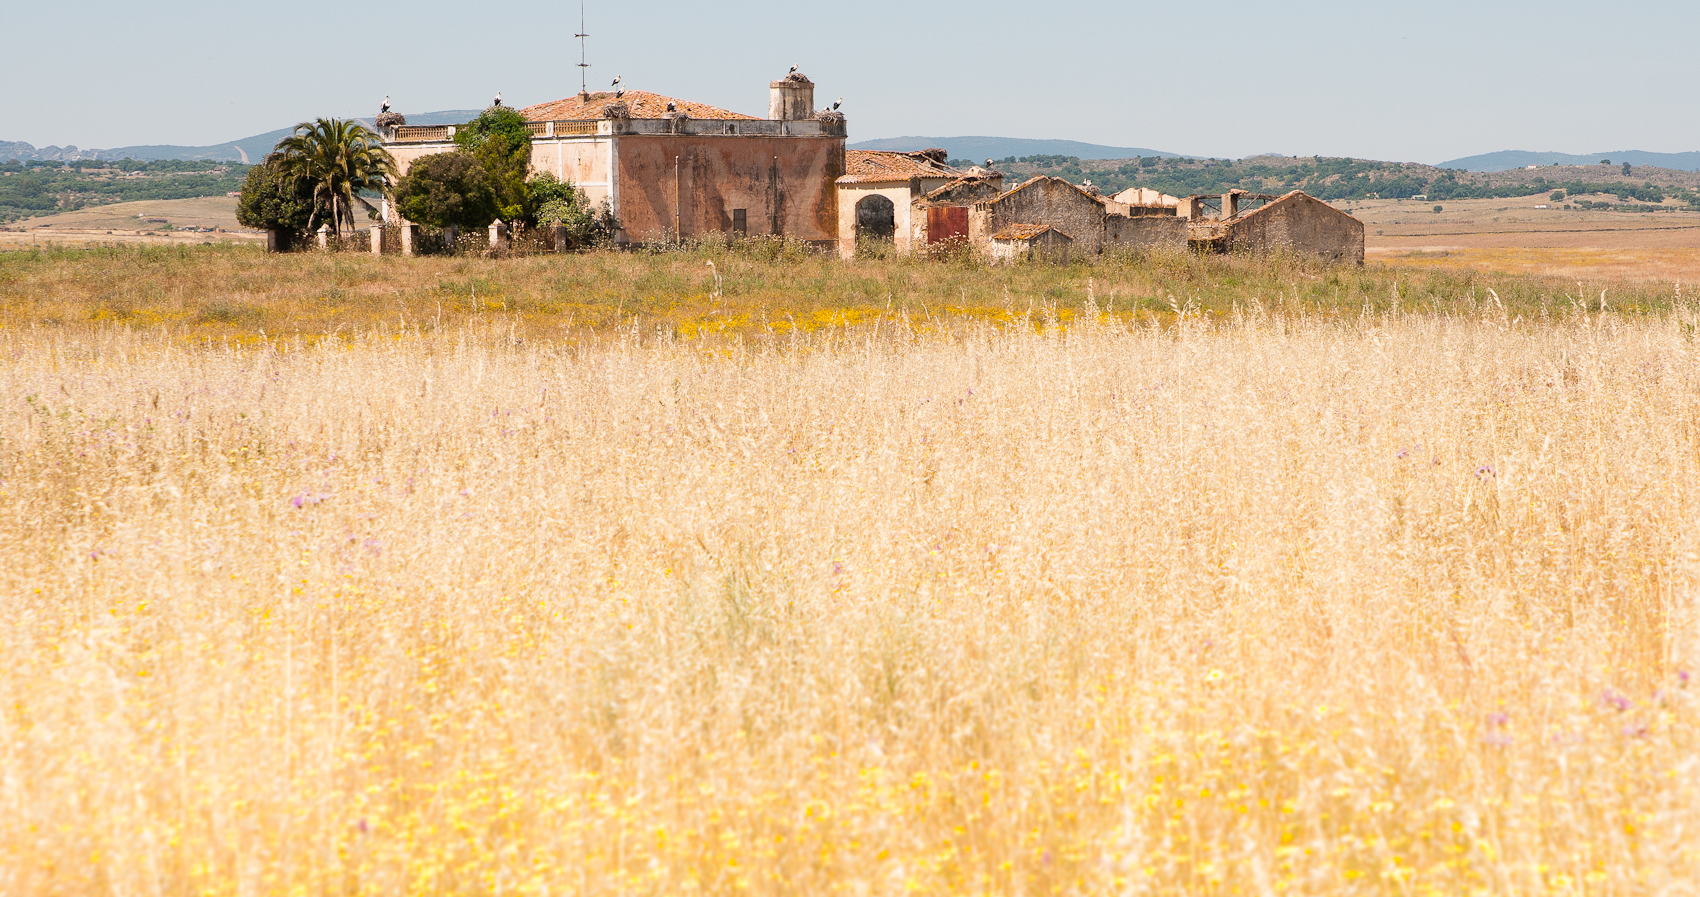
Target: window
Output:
[(740, 221)]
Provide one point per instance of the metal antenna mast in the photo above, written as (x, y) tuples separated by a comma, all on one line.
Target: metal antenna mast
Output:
[(583, 64)]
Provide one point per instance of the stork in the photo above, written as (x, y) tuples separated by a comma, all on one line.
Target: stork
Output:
[(498, 98), (672, 107), (618, 90), (836, 103), (386, 106), (989, 165), (793, 70)]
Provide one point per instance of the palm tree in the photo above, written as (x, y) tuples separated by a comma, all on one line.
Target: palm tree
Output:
[(339, 158)]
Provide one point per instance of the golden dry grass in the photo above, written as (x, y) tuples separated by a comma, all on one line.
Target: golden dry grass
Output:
[(222, 294), (1290, 602)]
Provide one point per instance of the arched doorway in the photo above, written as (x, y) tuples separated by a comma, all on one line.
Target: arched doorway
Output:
[(876, 218)]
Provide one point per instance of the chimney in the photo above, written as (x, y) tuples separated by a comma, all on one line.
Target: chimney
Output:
[(792, 99)]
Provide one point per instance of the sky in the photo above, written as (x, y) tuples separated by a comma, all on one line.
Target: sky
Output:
[(1383, 79)]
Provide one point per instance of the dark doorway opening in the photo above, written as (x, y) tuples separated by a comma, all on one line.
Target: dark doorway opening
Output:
[(876, 218)]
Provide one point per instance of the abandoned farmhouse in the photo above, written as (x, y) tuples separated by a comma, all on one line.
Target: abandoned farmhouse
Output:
[(671, 169)]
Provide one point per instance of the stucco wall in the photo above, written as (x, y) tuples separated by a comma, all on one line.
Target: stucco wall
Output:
[(1048, 201), (1302, 224), (1145, 231), (850, 194), (584, 161), (785, 184), (406, 154)]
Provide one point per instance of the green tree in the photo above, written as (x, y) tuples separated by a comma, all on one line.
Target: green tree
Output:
[(559, 201), (339, 159), (272, 199), (1626, 169), (501, 142), (447, 190)]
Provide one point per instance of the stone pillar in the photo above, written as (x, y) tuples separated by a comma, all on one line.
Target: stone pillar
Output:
[(407, 235), (792, 99), (276, 239), (451, 234), (1230, 205), (498, 235), (377, 239), (324, 237), (560, 231)]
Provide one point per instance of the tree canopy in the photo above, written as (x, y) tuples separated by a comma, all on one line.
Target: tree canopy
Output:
[(339, 159), (273, 199), (501, 142), (447, 190)]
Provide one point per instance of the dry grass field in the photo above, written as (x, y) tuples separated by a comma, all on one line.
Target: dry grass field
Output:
[(212, 218), (1260, 596), (1513, 236)]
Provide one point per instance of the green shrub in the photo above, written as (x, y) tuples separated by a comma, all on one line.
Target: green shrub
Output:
[(447, 190), (272, 199), (500, 141)]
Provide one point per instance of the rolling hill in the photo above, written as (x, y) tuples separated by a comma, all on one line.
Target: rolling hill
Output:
[(1004, 147), (1507, 160)]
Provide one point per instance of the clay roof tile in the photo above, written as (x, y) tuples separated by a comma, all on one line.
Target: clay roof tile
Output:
[(642, 104)]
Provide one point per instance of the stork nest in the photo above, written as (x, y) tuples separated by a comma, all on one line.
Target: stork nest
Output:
[(798, 77), (390, 120), (617, 109), (828, 115)]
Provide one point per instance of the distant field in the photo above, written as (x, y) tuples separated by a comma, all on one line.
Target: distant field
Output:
[(1512, 235), (126, 222)]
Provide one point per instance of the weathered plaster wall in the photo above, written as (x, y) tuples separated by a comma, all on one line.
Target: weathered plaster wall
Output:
[(1145, 231), (407, 153), (850, 194), (684, 186), (585, 161), (1303, 224)]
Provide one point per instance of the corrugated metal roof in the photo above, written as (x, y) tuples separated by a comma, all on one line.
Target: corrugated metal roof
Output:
[(875, 166), (642, 104)]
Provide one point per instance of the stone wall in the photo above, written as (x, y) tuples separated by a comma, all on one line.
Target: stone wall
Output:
[(1299, 223), (1043, 200), (1145, 231)]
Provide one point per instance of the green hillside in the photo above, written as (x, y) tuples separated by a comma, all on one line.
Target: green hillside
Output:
[(45, 188)]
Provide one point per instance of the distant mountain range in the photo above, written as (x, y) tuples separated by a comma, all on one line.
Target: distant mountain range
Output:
[(978, 148), (248, 149), (253, 149), (1507, 160)]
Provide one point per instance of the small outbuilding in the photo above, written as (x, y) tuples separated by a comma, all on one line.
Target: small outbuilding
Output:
[(1031, 241)]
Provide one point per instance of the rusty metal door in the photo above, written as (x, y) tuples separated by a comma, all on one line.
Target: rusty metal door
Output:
[(946, 223)]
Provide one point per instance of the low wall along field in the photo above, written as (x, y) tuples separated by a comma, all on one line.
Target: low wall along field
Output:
[(1392, 603)]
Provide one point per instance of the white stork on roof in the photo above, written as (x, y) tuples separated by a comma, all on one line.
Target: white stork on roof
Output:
[(386, 106)]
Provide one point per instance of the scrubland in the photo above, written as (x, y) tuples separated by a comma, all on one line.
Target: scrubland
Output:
[(1237, 598)]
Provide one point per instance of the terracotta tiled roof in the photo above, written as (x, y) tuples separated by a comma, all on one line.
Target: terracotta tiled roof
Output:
[(952, 185), (642, 104), (1027, 232), (873, 166)]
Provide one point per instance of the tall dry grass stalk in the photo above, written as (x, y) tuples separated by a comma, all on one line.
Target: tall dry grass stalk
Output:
[(1395, 606)]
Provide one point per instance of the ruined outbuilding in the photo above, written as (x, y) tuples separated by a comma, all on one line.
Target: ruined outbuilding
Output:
[(671, 169), (1296, 222), (916, 200), (1040, 242)]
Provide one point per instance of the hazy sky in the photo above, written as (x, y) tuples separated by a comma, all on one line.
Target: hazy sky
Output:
[(1384, 79)]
